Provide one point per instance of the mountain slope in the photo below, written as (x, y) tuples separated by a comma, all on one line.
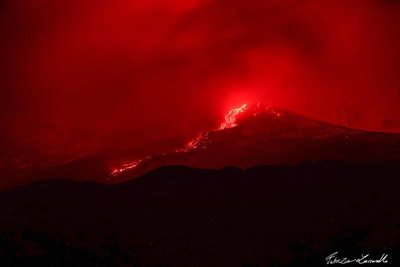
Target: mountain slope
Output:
[(249, 136), (266, 136)]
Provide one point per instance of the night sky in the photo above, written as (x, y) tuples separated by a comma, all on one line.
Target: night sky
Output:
[(80, 77)]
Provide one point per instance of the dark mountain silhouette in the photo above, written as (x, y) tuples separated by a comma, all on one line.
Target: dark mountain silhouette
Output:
[(179, 216)]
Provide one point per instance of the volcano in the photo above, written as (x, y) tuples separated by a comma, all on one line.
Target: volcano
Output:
[(299, 190), (249, 135), (258, 134)]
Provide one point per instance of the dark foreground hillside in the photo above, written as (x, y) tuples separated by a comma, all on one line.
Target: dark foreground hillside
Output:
[(177, 216)]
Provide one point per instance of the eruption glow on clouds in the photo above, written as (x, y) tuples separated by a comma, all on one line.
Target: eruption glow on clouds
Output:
[(85, 77)]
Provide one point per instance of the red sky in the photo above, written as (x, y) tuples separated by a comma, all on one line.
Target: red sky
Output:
[(82, 76)]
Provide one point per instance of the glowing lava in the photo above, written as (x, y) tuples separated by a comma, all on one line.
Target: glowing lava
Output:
[(230, 118), (202, 139), (200, 142), (126, 166)]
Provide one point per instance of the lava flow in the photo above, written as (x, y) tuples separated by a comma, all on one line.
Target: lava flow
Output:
[(124, 167), (199, 142), (230, 122), (230, 118)]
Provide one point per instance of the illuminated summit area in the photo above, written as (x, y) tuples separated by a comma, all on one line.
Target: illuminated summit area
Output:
[(231, 117), (230, 121)]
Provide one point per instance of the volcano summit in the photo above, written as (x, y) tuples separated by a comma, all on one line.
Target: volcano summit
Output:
[(259, 134)]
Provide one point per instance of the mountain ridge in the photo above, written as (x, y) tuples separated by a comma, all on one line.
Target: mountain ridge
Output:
[(269, 136), (257, 135)]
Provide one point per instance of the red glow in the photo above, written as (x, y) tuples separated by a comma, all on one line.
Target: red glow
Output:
[(230, 118), (124, 167), (87, 79), (199, 142)]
